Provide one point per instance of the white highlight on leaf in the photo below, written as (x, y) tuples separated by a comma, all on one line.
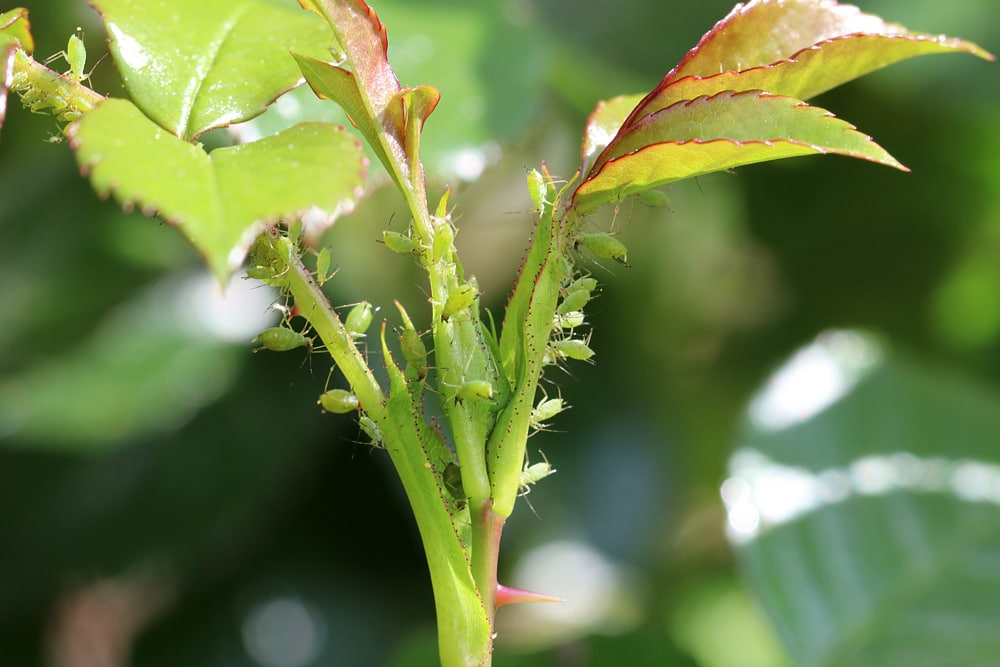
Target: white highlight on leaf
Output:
[(761, 494), (129, 50), (815, 378)]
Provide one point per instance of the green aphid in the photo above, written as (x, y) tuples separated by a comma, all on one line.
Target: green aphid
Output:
[(370, 428), (545, 410), (415, 353), (76, 56), (604, 246), (474, 391), (323, 266), (444, 238), (452, 480), (570, 320), (532, 474), (575, 300), (282, 339), (584, 283), (654, 198), (537, 189), (572, 348), (399, 243), (458, 300), (359, 319), (338, 401)]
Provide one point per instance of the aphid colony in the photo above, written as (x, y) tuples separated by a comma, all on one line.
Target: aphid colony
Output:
[(564, 343)]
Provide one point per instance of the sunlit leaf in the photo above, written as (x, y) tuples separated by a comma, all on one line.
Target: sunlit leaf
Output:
[(714, 133), (765, 31), (220, 200), (14, 33), (864, 495), (224, 66), (799, 48), (14, 26), (603, 124)]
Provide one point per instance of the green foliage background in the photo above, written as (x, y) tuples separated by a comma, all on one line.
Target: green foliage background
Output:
[(137, 445)]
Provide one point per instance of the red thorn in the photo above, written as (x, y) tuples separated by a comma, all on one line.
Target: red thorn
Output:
[(508, 595)]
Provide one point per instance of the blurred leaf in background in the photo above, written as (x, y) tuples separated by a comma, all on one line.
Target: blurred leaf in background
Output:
[(145, 449)]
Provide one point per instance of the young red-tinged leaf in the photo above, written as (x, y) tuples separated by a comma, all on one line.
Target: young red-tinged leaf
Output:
[(389, 116), (220, 201), (811, 71), (798, 48), (716, 133), (224, 64), (363, 38)]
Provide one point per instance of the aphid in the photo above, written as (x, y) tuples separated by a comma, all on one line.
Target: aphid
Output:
[(546, 409), (415, 353), (584, 283), (282, 339), (572, 348), (451, 477), (399, 243), (323, 266), (573, 301), (444, 237), (534, 473), (338, 401), (537, 189), (604, 246), (570, 320), (474, 390), (654, 198), (458, 300), (359, 319), (370, 428)]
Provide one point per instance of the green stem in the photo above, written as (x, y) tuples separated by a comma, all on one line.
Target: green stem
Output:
[(315, 307)]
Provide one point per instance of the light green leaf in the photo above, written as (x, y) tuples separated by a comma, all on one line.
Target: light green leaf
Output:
[(192, 65), (220, 201), (864, 497), (14, 33), (715, 133), (14, 27)]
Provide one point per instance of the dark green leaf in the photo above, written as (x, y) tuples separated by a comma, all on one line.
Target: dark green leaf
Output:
[(220, 201), (865, 497)]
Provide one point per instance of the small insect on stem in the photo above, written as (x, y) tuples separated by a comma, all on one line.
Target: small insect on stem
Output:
[(399, 243), (451, 477), (571, 348), (282, 339), (654, 198), (323, 272), (458, 300), (474, 391), (604, 246), (370, 428), (532, 474), (359, 319), (338, 401), (546, 409)]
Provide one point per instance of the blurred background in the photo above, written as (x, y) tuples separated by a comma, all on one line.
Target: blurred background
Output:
[(167, 497)]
